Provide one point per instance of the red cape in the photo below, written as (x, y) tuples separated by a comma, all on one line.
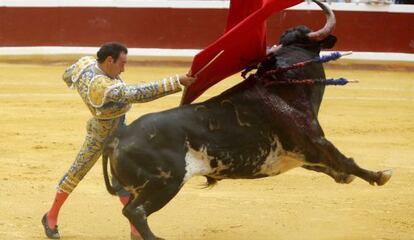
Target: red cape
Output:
[(243, 43)]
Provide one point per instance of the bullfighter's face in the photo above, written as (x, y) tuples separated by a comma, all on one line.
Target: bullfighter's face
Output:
[(115, 67), (118, 66)]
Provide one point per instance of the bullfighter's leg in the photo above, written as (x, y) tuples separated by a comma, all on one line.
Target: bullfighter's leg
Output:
[(151, 198), (330, 156), (97, 132)]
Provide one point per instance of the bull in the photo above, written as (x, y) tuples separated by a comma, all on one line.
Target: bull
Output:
[(253, 130)]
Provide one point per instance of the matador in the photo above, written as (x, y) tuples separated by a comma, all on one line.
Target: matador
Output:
[(108, 98)]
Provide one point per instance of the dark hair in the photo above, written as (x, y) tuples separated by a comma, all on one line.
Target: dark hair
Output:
[(113, 49)]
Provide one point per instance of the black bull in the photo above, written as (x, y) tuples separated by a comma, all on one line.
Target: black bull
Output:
[(252, 130)]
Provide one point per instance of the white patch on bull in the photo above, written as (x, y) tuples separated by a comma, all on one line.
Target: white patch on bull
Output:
[(280, 160), (196, 163), (242, 124)]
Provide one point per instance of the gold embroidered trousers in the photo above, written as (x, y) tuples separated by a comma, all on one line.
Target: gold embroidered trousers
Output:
[(97, 132)]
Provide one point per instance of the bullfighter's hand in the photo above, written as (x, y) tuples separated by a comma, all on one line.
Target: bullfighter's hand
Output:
[(186, 80)]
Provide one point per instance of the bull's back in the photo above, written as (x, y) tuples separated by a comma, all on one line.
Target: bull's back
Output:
[(230, 135)]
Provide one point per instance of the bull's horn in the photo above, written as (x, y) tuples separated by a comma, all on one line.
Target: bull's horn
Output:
[(329, 26)]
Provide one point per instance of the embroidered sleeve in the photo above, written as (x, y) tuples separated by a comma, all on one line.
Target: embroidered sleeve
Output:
[(142, 93), (67, 75)]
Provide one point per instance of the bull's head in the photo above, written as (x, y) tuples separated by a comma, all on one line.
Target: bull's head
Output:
[(304, 37), (298, 45)]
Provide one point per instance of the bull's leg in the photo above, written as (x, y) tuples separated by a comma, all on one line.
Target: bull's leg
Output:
[(319, 151), (138, 217), (151, 198), (330, 156), (338, 177), (379, 178)]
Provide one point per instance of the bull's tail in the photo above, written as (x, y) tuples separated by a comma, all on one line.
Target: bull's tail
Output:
[(106, 152)]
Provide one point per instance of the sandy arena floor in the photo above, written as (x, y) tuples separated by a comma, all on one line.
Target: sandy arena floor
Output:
[(42, 125)]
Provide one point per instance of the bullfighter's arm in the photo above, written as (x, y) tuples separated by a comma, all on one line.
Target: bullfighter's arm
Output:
[(73, 72), (99, 94), (67, 75), (144, 92)]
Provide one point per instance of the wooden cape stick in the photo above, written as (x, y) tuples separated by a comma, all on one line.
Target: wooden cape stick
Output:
[(196, 74)]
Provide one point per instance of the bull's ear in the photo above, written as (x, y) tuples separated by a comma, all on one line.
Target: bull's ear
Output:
[(328, 42)]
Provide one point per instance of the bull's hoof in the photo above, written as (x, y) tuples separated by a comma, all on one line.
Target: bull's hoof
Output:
[(384, 177), (50, 233)]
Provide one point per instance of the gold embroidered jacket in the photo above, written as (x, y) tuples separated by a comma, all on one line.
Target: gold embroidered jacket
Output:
[(109, 98)]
